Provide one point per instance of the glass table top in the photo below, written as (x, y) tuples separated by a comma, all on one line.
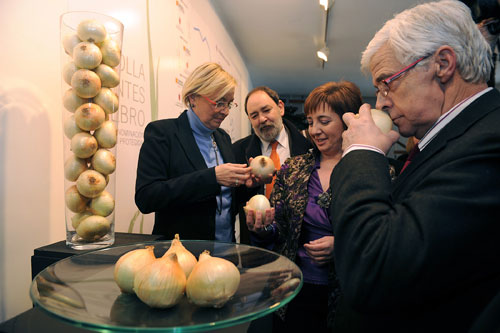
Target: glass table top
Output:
[(81, 290)]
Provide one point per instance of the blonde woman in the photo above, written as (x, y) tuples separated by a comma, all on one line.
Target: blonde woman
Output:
[(185, 173)]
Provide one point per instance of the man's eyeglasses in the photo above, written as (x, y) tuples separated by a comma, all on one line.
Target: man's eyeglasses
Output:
[(219, 105), (383, 86)]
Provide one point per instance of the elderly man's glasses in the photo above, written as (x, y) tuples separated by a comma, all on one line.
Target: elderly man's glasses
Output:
[(219, 105), (383, 86)]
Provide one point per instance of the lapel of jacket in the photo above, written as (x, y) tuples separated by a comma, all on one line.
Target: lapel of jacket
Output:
[(472, 113), (188, 143), (296, 146), (253, 148), (224, 147)]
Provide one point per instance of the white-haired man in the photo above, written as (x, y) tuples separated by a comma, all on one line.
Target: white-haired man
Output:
[(421, 254)]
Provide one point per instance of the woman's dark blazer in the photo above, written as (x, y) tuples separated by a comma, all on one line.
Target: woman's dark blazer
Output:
[(174, 182)]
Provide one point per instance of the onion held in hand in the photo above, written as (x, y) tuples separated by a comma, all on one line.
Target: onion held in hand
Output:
[(382, 120), (258, 203), (262, 166), (213, 281)]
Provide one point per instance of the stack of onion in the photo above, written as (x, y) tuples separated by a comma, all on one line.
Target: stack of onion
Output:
[(90, 72)]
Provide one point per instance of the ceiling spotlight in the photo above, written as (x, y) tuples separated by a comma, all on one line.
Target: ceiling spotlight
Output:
[(324, 4), (323, 53)]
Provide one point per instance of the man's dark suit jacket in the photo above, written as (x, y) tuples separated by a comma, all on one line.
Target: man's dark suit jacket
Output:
[(422, 254), (250, 147), (174, 182)]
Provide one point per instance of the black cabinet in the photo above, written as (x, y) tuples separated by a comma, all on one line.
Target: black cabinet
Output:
[(47, 255)]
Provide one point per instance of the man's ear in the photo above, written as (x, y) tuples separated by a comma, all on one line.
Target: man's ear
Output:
[(281, 105), (446, 63)]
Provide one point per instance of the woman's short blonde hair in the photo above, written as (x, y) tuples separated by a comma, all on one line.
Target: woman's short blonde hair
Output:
[(208, 79)]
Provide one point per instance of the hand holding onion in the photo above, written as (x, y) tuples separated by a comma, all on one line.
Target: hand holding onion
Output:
[(231, 174), (361, 129), (258, 213)]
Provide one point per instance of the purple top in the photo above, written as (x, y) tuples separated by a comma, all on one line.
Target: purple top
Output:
[(316, 224)]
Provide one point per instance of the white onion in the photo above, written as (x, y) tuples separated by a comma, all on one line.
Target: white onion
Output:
[(107, 134), (79, 217), (129, 264), (89, 116), (108, 100), (258, 203), (162, 283), (69, 42), (109, 76), (83, 145), (72, 101), (186, 259), (93, 228), (74, 200), (382, 120), (85, 83), (87, 55), (73, 167), (90, 183), (68, 70), (110, 52), (213, 281), (70, 127), (103, 204), (262, 166), (104, 161), (91, 31)]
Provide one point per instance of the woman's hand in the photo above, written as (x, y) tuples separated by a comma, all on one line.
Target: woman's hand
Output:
[(232, 175), (321, 249), (256, 222)]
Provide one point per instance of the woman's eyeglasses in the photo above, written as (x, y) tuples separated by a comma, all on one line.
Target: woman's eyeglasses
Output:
[(219, 105)]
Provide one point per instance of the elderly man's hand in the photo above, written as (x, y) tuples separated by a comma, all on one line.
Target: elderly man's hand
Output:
[(361, 130)]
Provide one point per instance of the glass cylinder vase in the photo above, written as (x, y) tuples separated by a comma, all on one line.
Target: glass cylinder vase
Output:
[(90, 56)]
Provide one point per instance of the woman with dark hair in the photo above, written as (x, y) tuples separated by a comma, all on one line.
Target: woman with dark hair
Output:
[(301, 195)]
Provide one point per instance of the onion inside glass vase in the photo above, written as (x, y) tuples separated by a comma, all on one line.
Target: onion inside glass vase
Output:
[(90, 56)]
